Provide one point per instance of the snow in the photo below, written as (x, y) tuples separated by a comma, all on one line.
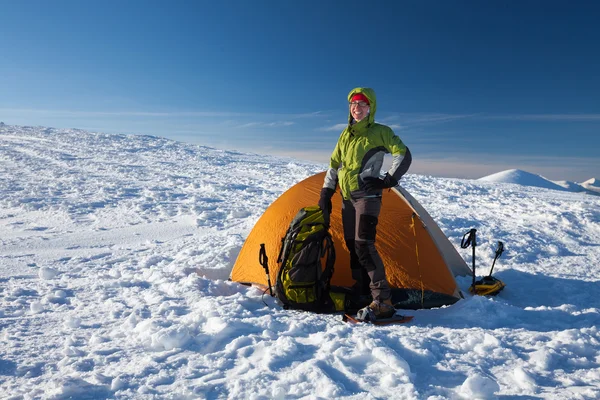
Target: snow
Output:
[(113, 284), (570, 186), (524, 178), (520, 177), (592, 182), (47, 273), (479, 387), (591, 186)]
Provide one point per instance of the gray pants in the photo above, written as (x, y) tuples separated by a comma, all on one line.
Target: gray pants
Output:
[(360, 217)]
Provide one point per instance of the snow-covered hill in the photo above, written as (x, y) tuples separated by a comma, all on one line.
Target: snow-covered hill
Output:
[(592, 185), (524, 178), (521, 178), (570, 186), (592, 182), (115, 254)]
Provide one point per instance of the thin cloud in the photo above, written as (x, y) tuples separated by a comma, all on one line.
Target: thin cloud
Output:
[(281, 123), (405, 118), (429, 118), (275, 124), (547, 117), (78, 113), (158, 114), (336, 127), (396, 126), (389, 119), (435, 118)]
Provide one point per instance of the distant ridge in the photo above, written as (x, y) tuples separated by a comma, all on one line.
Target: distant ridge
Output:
[(592, 186), (591, 182), (570, 186), (524, 178)]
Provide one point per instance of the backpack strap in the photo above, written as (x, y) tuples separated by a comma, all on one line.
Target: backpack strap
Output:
[(330, 261), (287, 243), (322, 284)]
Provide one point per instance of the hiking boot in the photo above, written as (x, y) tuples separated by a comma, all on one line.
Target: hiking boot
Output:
[(376, 310), (382, 309)]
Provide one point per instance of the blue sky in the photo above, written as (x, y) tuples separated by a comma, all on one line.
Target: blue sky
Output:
[(471, 87)]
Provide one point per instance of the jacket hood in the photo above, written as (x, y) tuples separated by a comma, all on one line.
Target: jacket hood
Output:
[(370, 94)]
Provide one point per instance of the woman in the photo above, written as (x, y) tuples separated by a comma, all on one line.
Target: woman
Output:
[(355, 165)]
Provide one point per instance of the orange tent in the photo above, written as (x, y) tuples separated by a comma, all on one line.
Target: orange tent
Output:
[(419, 259)]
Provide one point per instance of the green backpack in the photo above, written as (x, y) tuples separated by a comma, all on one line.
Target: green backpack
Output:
[(303, 282)]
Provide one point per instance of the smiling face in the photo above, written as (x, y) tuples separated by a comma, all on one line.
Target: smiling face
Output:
[(359, 110)]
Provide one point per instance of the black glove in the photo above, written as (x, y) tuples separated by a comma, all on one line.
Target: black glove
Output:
[(325, 200), (372, 184)]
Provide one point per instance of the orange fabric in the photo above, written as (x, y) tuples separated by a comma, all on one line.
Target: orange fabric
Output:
[(395, 242)]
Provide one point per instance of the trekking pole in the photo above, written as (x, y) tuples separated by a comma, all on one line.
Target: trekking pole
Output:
[(470, 241), (499, 251), (264, 261)]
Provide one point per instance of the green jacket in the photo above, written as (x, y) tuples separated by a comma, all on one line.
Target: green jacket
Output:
[(360, 151)]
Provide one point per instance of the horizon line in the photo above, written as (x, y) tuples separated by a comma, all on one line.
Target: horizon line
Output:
[(415, 117)]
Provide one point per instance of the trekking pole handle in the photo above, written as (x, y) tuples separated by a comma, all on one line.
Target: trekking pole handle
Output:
[(264, 261), (471, 240), (499, 252), (500, 249)]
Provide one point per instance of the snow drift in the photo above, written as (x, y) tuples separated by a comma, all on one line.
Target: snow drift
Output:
[(519, 177), (115, 251)]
